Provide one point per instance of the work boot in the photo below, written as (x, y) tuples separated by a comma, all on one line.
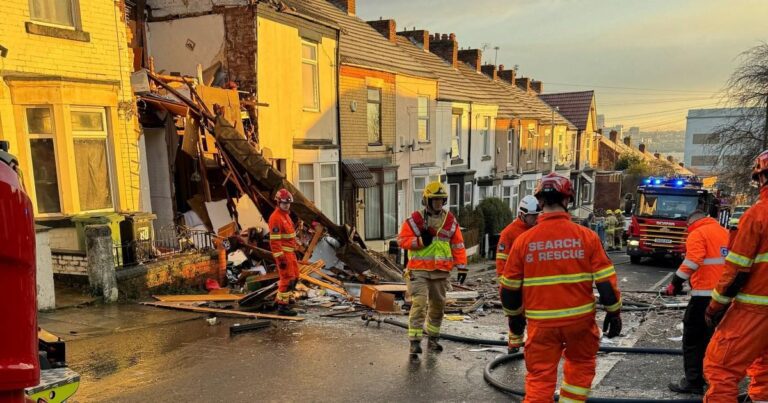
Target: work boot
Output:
[(415, 347), (433, 345), (285, 310), (683, 386)]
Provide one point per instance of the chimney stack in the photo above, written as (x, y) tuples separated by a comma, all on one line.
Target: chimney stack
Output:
[(471, 57), (506, 75), (447, 49), (490, 71), (671, 159), (524, 83), (628, 141), (682, 164), (420, 37), (387, 28), (613, 135), (348, 6), (641, 147), (657, 155), (537, 86)]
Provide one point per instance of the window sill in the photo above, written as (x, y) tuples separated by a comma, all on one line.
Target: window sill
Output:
[(485, 158), (376, 147), (457, 161), (424, 142), (56, 32), (311, 110)]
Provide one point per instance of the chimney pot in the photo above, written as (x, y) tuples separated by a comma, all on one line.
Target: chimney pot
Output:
[(444, 37), (524, 83), (437, 36), (641, 147), (613, 135), (682, 165), (537, 86), (501, 67), (671, 159), (452, 36), (628, 141), (657, 155)]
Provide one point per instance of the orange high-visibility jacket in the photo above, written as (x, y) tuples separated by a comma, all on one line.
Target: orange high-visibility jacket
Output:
[(748, 254), (444, 253), (506, 239), (282, 237), (705, 251), (555, 264)]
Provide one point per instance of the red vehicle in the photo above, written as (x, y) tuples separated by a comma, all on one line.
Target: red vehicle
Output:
[(658, 225)]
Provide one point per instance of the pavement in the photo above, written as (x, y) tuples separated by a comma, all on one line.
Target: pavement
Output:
[(132, 353)]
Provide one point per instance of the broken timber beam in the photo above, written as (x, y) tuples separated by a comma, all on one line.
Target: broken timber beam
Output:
[(223, 312)]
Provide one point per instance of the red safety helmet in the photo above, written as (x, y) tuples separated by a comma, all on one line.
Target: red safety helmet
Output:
[(761, 165), (284, 196), (554, 183)]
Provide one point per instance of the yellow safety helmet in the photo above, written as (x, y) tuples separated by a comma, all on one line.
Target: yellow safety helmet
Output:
[(609, 212), (617, 211), (434, 190)]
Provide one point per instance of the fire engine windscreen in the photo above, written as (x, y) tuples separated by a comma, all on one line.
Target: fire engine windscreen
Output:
[(666, 206)]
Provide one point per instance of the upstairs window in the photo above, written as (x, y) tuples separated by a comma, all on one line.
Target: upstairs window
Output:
[(57, 12), (423, 119), (485, 124), (456, 137), (309, 80), (374, 116)]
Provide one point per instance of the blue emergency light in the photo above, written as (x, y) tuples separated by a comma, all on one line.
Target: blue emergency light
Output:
[(648, 181), (680, 182), (657, 181)]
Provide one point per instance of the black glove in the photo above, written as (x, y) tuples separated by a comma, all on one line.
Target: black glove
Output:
[(675, 286), (612, 324), (282, 265), (461, 277), (714, 313), (517, 328), (426, 238)]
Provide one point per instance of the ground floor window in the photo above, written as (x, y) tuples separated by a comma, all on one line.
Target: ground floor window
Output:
[(467, 193), (419, 183), (586, 192), (510, 196), (89, 132), (529, 187), (381, 206), (319, 183), (453, 198)]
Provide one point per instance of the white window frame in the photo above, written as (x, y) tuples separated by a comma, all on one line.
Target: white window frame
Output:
[(456, 121), (453, 191), (467, 191), (107, 144), (418, 192), (316, 181), (76, 21), (530, 187), (316, 76), (486, 135), (510, 146), (424, 118), (31, 173), (380, 140), (548, 136)]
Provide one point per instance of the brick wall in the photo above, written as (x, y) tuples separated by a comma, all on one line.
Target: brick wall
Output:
[(606, 157), (608, 192), (69, 263), (240, 26), (353, 86)]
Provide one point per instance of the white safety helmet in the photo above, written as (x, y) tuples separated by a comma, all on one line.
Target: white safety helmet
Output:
[(529, 205)]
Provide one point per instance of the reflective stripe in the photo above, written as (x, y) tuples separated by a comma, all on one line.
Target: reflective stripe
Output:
[(683, 275), (576, 390), (502, 256), (514, 339), (274, 237), (288, 249), (560, 313), (691, 264), (431, 258), (761, 258), (701, 293), (714, 260), (613, 308), (289, 236), (510, 283), (415, 243), (432, 329), (604, 273), (720, 298), (512, 312), (739, 260), (457, 245), (415, 332), (752, 299), (552, 280), (277, 254), (564, 399), (414, 227)]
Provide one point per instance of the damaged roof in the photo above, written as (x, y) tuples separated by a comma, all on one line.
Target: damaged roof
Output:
[(360, 174), (361, 45), (575, 106)]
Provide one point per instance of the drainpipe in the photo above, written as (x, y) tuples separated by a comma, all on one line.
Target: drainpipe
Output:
[(340, 187), (469, 156)]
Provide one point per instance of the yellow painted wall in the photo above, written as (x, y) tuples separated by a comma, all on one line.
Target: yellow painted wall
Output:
[(354, 83), (280, 85), (92, 73)]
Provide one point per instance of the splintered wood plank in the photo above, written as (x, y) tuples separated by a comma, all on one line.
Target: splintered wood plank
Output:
[(191, 308), (323, 284), (198, 297)]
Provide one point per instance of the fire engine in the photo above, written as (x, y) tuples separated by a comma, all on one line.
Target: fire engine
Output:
[(658, 225)]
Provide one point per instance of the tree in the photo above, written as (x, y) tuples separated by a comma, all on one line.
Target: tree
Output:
[(496, 215), (746, 134)]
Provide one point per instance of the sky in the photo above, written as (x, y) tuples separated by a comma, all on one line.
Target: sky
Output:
[(649, 61)]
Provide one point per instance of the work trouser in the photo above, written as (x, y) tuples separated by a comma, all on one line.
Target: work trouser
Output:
[(610, 238), (617, 237), (578, 342), (286, 280), (696, 336), (427, 289), (738, 347)]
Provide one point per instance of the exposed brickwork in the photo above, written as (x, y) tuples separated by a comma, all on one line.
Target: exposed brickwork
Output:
[(537, 86), (240, 24), (506, 75), (606, 158), (524, 83), (69, 263), (387, 28), (445, 46), (490, 71), (472, 57), (419, 36), (345, 5), (354, 129), (607, 191)]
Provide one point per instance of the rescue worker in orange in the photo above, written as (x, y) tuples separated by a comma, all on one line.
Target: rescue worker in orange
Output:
[(282, 243), (739, 306), (527, 212), (548, 281), (435, 246), (705, 251)]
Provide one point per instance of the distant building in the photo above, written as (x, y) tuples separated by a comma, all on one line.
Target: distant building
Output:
[(633, 131), (700, 150), (600, 121)]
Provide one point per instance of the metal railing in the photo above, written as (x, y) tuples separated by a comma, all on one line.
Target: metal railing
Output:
[(168, 241)]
